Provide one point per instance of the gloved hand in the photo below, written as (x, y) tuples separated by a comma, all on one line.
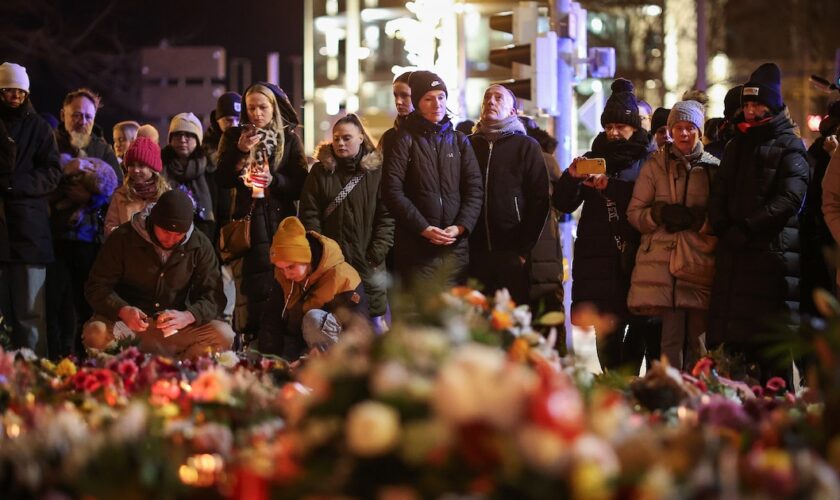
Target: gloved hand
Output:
[(656, 211), (677, 217), (735, 238)]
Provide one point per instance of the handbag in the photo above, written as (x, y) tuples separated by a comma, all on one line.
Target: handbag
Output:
[(235, 237), (693, 258)]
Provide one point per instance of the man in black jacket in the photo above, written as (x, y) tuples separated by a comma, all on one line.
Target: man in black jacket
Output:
[(29, 171), (753, 207), (157, 278), (516, 199)]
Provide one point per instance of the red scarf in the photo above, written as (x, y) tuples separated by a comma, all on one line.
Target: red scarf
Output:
[(145, 190), (745, 126)]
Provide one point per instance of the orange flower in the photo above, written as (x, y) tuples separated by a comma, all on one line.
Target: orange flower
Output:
[(518, 351), (470, 296), (500, 320), (164, 391)]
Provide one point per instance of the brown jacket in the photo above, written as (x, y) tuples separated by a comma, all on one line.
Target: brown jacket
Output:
[(831, 199), (121, 209), (653, 288)]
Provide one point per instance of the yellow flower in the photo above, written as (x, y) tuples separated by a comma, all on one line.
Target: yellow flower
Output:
[(47, 364), (66, 368)]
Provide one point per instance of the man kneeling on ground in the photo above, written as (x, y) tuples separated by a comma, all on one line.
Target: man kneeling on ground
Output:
[(313, 283), (157, 278)]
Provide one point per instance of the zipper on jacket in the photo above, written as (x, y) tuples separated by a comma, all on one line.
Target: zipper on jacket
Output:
[(486, 207), (516, 205)]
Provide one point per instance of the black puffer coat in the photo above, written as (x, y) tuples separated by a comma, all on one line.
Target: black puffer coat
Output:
[(755, 199), (430, 178), (26, 185), (597, 274), (814, 233), (255, 272)]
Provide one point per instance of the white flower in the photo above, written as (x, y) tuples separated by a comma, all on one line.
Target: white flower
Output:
[(132, 423), (372, 429), (389, 378), (543, 449), (478, 384), (27, 354), (227, 359), (594, 450)]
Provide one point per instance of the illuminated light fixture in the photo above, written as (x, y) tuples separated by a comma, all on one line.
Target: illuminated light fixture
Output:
[(597, 86), (652, 10), (720, 67), (650, 84), (373, 15), (596, 25), (814, 122), (333, 96), (363, 53), (331, 7), (328, 24)]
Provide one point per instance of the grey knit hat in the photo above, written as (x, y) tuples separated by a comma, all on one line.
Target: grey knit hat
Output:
[(687, 111)]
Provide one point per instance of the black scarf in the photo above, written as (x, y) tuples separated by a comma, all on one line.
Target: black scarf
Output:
[(621, 154), (191, 176)]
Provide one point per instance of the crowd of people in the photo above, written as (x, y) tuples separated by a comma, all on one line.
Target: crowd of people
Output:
[(689, 237)]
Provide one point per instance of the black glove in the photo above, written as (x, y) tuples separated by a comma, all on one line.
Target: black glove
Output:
[(735, 238), (656, 211), (677, 218)]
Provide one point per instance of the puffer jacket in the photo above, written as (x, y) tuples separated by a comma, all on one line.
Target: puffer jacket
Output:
[(333, 284), (255, 272), (663, 178), (597, 275), (26, 184), (361, 225), (755, 200), (431, 178)]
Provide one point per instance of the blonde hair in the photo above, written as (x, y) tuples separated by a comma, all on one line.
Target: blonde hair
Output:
[(149, 130), (129, 128)]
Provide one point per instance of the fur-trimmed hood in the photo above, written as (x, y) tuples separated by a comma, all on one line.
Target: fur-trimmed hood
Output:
[(324, 154)]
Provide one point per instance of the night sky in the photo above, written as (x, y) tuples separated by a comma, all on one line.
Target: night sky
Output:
[(54, 39)]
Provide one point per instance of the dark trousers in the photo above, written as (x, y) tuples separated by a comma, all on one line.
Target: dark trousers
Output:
[(502, 269), (67, 308), (630, 341)]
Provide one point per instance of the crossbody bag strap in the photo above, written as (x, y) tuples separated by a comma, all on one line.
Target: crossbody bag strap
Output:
[(614, 221), (342, 195)]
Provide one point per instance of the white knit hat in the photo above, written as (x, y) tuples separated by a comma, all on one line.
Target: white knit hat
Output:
[(13, 76), (187, 122), (687, 111)]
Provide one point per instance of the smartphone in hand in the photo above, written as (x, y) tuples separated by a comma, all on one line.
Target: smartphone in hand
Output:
[(591, 166)]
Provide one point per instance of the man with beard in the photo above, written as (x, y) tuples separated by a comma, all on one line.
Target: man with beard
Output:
[(755, 199), (157, 278), (29, 171), (76, 136), (516, 197)]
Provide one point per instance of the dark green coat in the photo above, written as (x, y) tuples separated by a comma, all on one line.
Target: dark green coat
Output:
[(361, 224), (128, 272)]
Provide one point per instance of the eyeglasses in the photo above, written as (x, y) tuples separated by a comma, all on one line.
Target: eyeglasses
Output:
[(82, 116), (181, 135), (14, 91)]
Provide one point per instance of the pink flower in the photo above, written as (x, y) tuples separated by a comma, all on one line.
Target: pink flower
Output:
[(776, 384), (127, 369), (758, 391)]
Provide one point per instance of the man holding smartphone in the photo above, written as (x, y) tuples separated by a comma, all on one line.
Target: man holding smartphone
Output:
[(157, 278)]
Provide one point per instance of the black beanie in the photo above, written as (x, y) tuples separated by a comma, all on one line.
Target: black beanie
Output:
[(732, 102), (229, 104), (659, 119), (621, 106), (173, 211), (422, 82), (765, 87)]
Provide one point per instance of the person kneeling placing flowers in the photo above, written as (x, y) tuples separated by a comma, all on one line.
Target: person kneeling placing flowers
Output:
[(312, 283)]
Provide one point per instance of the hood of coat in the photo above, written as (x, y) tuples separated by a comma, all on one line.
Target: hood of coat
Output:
[(283, 105), (324, 154)]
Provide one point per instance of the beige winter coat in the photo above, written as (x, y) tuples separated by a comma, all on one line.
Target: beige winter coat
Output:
[(653, 289), (122, 209)]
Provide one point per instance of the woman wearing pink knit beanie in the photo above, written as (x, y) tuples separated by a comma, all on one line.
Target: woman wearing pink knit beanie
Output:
[(142, 187)]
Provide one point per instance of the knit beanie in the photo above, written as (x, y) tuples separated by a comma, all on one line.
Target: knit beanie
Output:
[(145, 151), (13, 76), (422, 82), (659, 119), (621, 106), (149, 130), (765, 87), (687, 111), (732, 102), (289, 243), (187, 122), (173, 212), (229, 104)]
